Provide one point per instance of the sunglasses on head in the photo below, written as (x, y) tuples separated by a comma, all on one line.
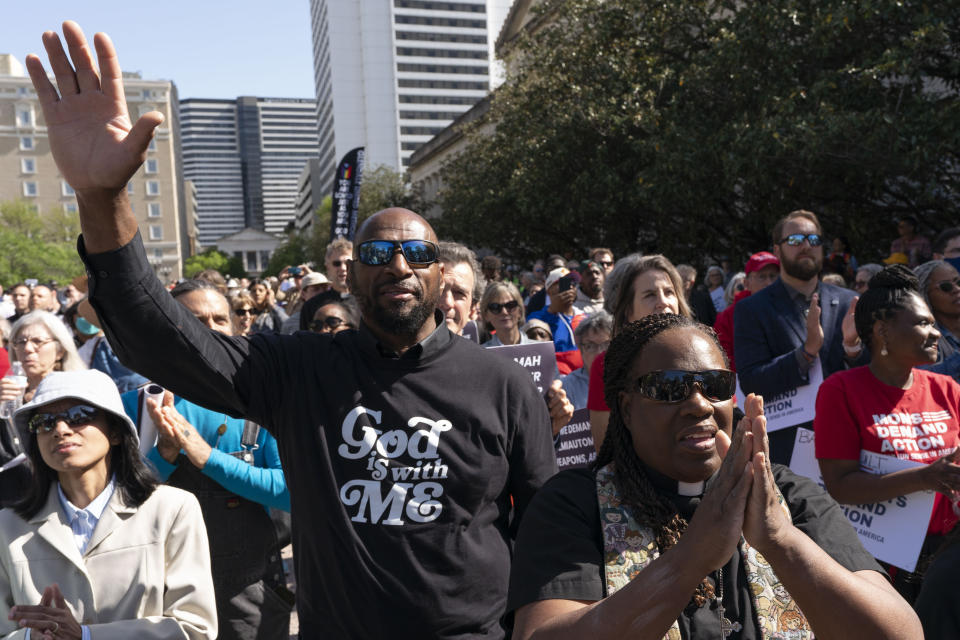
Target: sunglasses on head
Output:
[(82, 414), (495, 307), (330, 322), (948, 285), (796, 239), (417, 253), (672, 386)]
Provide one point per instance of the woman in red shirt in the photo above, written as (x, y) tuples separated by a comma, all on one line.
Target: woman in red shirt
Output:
[(893, 408)]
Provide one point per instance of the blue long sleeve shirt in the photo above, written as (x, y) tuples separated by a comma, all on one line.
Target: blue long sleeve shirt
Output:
[(262, 482)]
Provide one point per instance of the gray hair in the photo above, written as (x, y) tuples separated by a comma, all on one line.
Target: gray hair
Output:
[(453, 253), (596, 321), (924, 272), (731, 291), (871, 268), (70, 360)]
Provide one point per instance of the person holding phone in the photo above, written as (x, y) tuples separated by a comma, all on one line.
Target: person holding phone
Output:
[(562, 317)]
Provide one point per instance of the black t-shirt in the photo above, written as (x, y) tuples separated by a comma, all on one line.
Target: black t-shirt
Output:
[(938, 604), (559, 550), (401, 469)]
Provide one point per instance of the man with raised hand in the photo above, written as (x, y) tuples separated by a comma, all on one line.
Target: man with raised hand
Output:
[(410, 454)]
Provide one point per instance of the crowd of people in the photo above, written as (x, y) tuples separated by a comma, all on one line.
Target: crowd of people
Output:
[(162, 446)]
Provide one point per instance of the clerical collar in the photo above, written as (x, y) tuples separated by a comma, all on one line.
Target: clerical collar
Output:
[(667, 484)]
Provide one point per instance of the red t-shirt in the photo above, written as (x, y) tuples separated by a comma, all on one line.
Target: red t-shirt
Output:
[(595, 400), (724, 327), (856, 411)]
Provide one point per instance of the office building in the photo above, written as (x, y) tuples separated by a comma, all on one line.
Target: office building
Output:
[(244, 157), (28, 172)]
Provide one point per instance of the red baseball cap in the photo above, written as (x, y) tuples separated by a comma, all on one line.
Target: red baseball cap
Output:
[(760, 260)]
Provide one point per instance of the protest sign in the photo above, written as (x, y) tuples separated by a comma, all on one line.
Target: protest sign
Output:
[(574, 443), (538, 358), (792, 407), (892, 530)]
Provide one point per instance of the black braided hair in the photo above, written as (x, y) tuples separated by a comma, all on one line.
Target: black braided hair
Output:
[(648, 506), (889, 291)]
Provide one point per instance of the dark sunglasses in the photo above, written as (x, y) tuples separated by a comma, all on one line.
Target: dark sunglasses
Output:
[(245, 312), (796, 239), (82, 414), (337, 263), (417, 253), (495, 307), (330, 322), (948, 285), (717, 385)]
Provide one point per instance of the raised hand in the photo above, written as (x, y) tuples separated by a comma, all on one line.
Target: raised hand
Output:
[(93, 141), (814, 331), (96, 147)]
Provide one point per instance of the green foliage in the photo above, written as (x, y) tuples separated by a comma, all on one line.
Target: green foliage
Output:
[(688, 128), (41, 246), (213, 259), (384, 187)]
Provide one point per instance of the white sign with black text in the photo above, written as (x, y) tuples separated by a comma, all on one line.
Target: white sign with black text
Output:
[(792, 407), (892, 530)]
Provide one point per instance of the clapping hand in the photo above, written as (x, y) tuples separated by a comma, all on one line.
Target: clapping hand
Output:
[(174, 433)]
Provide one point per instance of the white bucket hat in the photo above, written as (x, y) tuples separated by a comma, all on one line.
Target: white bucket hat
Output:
[(89, 387)]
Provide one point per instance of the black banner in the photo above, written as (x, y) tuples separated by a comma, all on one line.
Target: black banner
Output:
[(574, 444), (346, 195), (538, 358)]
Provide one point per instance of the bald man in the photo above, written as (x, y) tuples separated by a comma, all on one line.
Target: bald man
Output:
[(409, 452)]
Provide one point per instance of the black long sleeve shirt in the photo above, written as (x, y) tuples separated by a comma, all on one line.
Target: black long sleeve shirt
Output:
[(400, 469)]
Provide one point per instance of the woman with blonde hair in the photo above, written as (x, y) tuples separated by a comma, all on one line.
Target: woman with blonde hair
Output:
[(42, 344), (501, 308)]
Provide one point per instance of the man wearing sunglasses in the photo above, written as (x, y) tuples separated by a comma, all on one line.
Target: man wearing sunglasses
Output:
[(335, 261), (794, 324)]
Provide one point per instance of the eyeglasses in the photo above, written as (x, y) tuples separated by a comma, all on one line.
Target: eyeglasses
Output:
[(21, 343), (606, 263), (673, 386), (330, 322), (245, 312), (417, 253), (495, 307), (948, 285), (796, 239), (82, 414), (594, 347)]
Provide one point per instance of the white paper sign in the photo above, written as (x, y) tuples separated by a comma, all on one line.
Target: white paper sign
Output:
[(792, 407), (893, 530)]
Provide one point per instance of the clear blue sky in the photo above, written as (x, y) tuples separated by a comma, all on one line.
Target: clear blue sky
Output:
[(209, 48)]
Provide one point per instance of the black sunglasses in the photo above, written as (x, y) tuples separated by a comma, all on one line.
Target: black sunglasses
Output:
[(244, 312), (717, 385), (417, 253), (330, 322), (74, 416), (948, 285), (495, 307), (796, 239)]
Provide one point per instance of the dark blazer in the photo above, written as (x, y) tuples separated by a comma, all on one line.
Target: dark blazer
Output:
[(768, 329)]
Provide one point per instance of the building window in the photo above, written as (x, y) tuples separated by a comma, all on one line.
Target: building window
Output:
[(156, 232), (153, 145), (146, 94), (66, 189), (28, 165), (130, 188), (71, 207), (153, 188), (264, 258), (153, 209), (158, 254), (26, 143), (151, 165), (30, 189), (252, 261), (24, 117)]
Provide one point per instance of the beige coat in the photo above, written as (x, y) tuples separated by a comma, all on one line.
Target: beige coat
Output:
[(144, 575)]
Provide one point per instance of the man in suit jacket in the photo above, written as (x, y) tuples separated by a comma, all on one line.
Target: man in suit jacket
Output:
[(794, 324)]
